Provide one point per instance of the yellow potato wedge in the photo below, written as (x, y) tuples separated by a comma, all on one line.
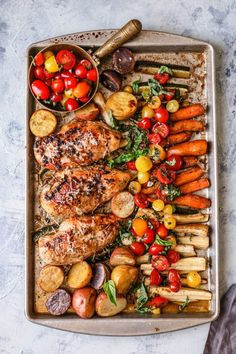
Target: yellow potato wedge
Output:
[(122, 104), (122, 204), (42, 123), (79, 275), (51, 278)]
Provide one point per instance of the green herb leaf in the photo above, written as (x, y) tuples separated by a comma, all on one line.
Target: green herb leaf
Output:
[(45, 230), (161, 242), (142, 297), (110, 290), (171, 191), (114, 123), (164, 69), (184, 304), (144, 310), (135, 85)]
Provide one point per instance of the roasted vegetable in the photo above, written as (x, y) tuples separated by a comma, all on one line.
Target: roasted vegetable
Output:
[(42, 123), (195, 186), (189, 161), (122, 104), (151, 67), (122, 204), (51, 278), (191, 111), (176, 138), (105, 308), (122, 256), (195, 229), (124, 276), (181, 295), (193, 218), (188, 176), (123, 60), (101, 274), (83, 302), (192, 125), (58, 303), (199, 242), (190, 148), (112, 80), (89, 112), (193, 201), (184, 264), (79, 275)]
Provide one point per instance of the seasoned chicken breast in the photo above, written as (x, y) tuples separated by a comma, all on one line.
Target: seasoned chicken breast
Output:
[(79, 191), (80, 143), (78, 238)]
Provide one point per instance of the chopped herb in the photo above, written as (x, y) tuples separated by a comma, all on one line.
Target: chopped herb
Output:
[(164, 69), (114, 123), (161, 242), (171, 191), (110, 290), (135, 85), (144, 310), (142, 297), (184, 304)]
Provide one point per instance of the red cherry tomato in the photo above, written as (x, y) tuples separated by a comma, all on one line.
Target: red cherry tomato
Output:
[(39, 59), (56, 97), (160, 263), (81, 71), (162, 78), (149, 236), (154, 138), (92, 75), (86, 63), (138, 248), (158, 301), (58, 85), (174, 162), (162, 231), (170, 95), (48, 75), (48, 82), (131, 165), (39, 73), (145, 123), (133, 232), (141, 200), (164, 175), (156, 249), (173, 276), (66, 58), (66, 73), (173, 256), (84, 99), (175, 286), (40, 89), (161, 115), (162, 129), (155, 223), (70, 82), (57, 76), (71, 104), (155, 278)]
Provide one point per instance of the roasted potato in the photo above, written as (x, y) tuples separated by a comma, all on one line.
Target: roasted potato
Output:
[(101, 274), (105, 308), (122, 204), (42, 123), (83, 302), (122, 255), (89, 112), (79, 275), (124, 276), (122, 104), (51, 278), (58, 303)]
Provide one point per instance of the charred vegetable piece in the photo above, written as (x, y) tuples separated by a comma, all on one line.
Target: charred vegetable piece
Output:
[(101, 275), (123, 60), (112, 80), (58, 303), (151, 67)]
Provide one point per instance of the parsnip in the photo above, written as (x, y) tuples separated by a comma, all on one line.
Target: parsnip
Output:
[(194, 229), (181, 295), (191, 263), (198, 242)]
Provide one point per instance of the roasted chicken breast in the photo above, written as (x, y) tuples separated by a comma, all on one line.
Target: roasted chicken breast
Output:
[(79, 191), (80, 143), (78, 238)]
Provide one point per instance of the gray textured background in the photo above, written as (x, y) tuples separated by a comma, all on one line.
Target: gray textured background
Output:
[(24, 22)]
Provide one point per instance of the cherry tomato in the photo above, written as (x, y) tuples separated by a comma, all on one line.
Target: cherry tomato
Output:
[(164, 175), (162, 78), (170, 95), (155, 249), (170, 222), (141, 200), (39, 73), (70, 82), (56, 97), (149, 236), (193, 279), (40, 89), (66, 58), (172, 106), (154, 138), (84, 99), (158, 301), (82, 89), (173, 256), (48, 75), (173, 275), (161, 115), (71, 104), (145, 123), (81, 71), (162, 129), (131, 166), (162, 231), (174, 162), (140, 226), (39, 59), (143, 163), (92, 75), (147, 112), (51, 65), (175, 286), (58, 85), (48, 82), (134, 187), (155, 223), (160, 262), (86, 63), (133, 232), (155, 278), (66, 73), (57, 76), (138, 248)]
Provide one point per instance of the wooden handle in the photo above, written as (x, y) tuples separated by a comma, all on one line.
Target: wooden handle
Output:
[(128, 31)]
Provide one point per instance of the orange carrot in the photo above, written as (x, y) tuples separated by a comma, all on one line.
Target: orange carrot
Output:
[(176, 138), (195, 186), (188, 176), (148, 190), (189, 161), (190, 148), (193, 201), (188, 125), (192, 111)]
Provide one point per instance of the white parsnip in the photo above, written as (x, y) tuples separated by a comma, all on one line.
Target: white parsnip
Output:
[(191, 263), (193, 229), (181, 295), (198, 242)]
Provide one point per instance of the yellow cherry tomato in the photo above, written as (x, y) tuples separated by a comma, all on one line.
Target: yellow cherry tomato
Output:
[(140, 226), (51, 64), (147, 112), (157, 153), (128, 88), (143, 177), (155, 102), (169, 222), (134, 187), (193, 279), (69, 93), (158, 205), (172, 106), (156, 311), (64, 99), (172, 239), (168, 209), (143, 163), (48, 54)]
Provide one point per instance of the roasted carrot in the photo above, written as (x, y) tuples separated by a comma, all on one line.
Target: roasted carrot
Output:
[(192, 111), (188, 176), (189, 161), (148, 190), (193, 201), (195, 186), (176, 138), (188, 125), (190, 148)]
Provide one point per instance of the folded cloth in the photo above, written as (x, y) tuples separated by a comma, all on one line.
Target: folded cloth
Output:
[(222, 334)]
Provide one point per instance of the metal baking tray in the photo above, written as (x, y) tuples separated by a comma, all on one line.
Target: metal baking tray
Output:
[(149, 45)]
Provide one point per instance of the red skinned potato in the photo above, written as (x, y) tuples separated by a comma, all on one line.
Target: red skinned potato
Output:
[(89, 112), (83, 302), (105, 308), (122, 255), (101, 274)]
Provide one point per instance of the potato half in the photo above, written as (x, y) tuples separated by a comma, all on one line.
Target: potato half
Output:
[(122, 204), (79, 275), (42, 123), (122, 104), (51, 278)]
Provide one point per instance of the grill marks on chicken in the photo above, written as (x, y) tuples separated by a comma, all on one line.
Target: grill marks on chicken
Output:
[(78, 191), (78, 238), (77, 144)]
